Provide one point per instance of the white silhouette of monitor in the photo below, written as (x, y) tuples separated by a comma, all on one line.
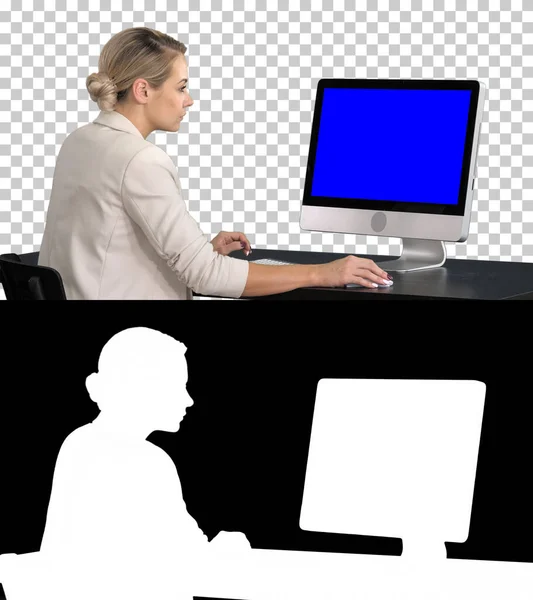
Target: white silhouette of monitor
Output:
[(394, 458)]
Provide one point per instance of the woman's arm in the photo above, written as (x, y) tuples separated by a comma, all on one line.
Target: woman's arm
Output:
[(152, 198), (274, 279)]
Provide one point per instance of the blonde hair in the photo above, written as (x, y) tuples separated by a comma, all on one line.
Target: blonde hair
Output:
[(130, 54)]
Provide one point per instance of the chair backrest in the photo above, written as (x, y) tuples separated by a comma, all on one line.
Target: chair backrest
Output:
[(22, 281)]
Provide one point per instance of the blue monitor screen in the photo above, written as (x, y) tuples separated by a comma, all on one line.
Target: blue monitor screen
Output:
[(390, 144)]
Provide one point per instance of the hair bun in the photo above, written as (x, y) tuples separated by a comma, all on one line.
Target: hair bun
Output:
[(102, 90)]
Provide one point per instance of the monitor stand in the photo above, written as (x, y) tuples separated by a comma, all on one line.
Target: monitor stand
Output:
[(423, 568), (417, 255), (423, 549)]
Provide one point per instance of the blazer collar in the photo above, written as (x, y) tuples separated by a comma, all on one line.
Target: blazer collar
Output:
[(115, 120)]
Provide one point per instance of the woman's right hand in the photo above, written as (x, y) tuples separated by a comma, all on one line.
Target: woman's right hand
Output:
[(351, 269), (234, 542), (6, 560)]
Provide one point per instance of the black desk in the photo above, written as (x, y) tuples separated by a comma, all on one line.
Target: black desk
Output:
[(457, 279)]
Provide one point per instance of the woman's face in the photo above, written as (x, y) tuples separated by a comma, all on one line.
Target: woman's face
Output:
[(171, 102)]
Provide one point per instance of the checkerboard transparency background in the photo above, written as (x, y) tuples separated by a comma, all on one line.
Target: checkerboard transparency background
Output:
[(241, 153)]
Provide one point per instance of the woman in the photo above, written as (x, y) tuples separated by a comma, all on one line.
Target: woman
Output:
[(117, 226)]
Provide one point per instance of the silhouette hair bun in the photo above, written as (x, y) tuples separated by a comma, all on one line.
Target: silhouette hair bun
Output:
[(102, 90)]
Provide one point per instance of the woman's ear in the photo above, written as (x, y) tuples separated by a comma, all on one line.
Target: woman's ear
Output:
[(91, 383)]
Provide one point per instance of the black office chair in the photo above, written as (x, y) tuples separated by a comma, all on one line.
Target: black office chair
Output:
[(22, 281)]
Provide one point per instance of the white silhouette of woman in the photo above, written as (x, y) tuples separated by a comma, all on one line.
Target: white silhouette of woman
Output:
[(117, 525)]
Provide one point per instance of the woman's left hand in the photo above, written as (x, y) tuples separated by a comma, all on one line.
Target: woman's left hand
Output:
[(229, 241)]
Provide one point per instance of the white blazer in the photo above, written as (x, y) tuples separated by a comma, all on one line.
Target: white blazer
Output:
[(117, 226)]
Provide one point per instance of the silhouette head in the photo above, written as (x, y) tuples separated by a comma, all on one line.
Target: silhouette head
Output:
[(141, 380)]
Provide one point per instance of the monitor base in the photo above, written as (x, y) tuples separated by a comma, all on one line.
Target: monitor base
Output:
[(417, 255)]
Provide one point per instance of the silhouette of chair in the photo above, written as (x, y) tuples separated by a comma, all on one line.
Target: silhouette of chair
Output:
[(23, 281)]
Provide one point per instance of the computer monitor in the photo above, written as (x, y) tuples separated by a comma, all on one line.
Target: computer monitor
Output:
[(394, 458), (394, 158)]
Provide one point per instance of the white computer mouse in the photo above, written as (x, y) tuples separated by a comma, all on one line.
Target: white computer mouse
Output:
[(360, 285)]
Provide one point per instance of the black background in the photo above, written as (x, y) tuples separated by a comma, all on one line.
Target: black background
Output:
[(241, 451)]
